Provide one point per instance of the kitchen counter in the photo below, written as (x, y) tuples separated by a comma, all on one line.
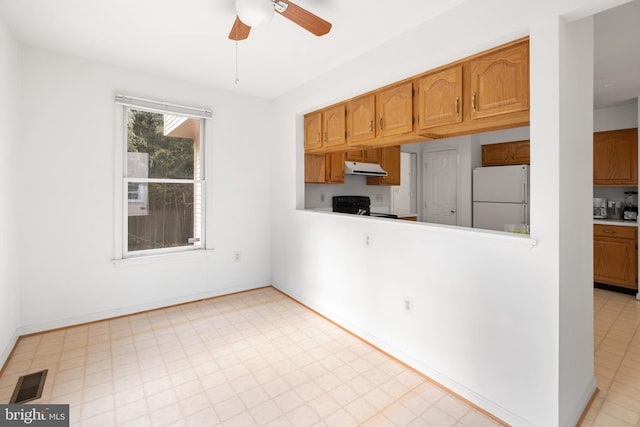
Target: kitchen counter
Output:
[(409, 216), (615, 222)]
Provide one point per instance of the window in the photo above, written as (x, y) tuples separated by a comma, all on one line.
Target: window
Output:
[(162, 178)]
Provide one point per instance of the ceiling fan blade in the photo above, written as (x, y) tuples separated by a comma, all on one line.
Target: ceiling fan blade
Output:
[(307, 20), (239, 31)]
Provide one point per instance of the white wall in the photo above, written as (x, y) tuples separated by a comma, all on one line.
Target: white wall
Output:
[(9, 291), (491, 313), (612, 118), (576, 222), (66, 162)]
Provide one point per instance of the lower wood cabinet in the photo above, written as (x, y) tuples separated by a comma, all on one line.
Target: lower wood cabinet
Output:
[(615, 255)]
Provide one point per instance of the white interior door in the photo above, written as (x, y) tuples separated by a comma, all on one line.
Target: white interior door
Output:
[(440, 186)]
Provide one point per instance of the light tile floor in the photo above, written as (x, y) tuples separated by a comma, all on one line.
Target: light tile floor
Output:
[(617, 360), (251, 359)]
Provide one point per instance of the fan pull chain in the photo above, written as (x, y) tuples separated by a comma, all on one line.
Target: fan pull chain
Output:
[(237, 81)]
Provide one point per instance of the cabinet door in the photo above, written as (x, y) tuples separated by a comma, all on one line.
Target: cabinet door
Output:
[(614, 262), (394, 107), (520, 152), (333, 122), (495, 154), (390, 162), (314, 168), (335, 167), (500, 82), (313, 131), (615, 157), (440, 97), (371, 156), (361, 116), (355, 156)]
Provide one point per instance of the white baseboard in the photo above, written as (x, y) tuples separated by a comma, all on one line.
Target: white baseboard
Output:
[(94, 317), (583, 402), (6, 352)]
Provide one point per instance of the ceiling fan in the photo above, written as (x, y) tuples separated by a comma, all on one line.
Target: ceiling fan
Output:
[(252, 13)]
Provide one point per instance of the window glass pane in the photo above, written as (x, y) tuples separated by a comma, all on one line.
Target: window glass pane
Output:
[(164, 217), (161, 145)]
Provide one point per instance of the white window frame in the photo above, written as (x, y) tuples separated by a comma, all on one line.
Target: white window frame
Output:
[(122, 105)]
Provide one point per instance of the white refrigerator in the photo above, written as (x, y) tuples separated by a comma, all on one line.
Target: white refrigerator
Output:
[(500, 196)]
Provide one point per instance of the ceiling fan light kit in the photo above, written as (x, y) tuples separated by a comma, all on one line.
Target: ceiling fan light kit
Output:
[(254, 12)]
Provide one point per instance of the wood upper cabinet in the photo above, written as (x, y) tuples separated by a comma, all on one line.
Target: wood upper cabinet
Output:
[(440, 98), (333, 124), (520, 152), (361, 118), (506, 153), (615, 255), (314, 168), (394, 108), (499, 82), (487, 91), (324, 168), (325, 129), (615, 158), (313, 131), (334, 171), (390, 162), (366, 156)]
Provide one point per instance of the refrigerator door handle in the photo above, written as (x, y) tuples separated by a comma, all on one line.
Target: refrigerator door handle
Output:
[(524, 185)]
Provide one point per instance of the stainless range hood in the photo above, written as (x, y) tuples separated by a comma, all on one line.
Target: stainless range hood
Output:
[(367, 169)]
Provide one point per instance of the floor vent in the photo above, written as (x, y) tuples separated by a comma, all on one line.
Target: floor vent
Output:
[(29, 387)]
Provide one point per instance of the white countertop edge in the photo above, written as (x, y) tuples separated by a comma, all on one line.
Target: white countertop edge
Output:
[(619, 223), (523, 239)]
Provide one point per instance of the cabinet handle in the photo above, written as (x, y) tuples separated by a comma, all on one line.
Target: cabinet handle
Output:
[(371, 125), (473, 102), (380, 123), (608, 231), (457, 106), (325, 136), (318, 137)]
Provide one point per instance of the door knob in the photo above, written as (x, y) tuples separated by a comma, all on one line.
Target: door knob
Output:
[(452, 211)]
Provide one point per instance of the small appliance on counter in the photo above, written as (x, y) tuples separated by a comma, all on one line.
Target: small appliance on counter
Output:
[(630, 211), (599, 207), (614, 209)]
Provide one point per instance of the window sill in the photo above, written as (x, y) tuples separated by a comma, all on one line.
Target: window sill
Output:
[(161, 258)]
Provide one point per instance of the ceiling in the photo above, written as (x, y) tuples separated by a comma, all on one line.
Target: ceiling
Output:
[(617, 56), (187, 40)]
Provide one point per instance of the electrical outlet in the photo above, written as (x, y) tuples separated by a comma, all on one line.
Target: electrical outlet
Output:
[(236, 256), (379, 197), (407, 304), (322, 197), (367, 240)]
